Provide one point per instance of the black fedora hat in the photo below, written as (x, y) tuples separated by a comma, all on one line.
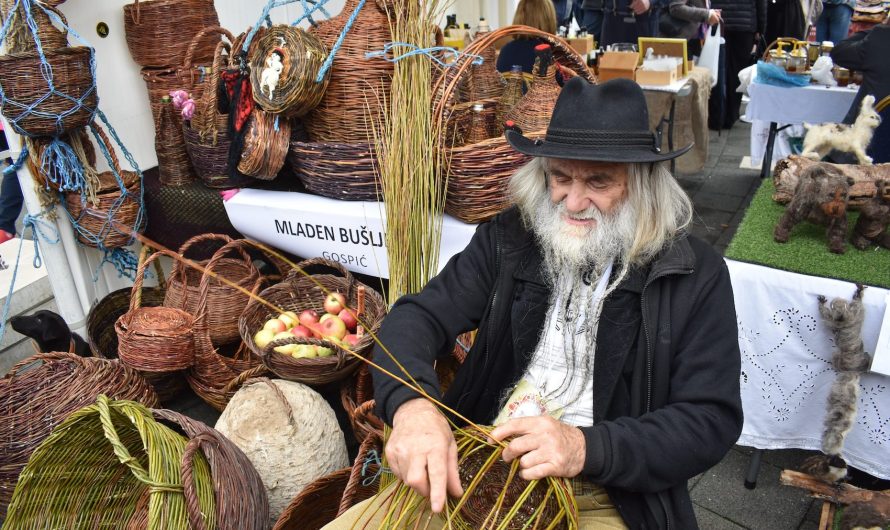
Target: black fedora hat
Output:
[(605, 123)]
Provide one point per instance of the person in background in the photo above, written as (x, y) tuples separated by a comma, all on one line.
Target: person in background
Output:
[(744, 23), (625, 21), (11, 198), (521, 50), (834, 22), (698, 18), (866, 52)]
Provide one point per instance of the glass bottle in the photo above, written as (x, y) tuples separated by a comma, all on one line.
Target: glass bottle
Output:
[(478, 130)]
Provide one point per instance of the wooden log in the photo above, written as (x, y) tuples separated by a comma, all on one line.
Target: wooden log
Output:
[(789, 169), (838, 493)]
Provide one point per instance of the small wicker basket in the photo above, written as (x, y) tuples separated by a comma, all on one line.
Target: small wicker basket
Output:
[(297, 293), (265, 145)]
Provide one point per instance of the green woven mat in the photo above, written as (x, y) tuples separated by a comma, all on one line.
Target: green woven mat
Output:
[(807, 250)]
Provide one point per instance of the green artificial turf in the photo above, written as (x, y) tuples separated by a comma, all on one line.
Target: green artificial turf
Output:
[(806, 252)]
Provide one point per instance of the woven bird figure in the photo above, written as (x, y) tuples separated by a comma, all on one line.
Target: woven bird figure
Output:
[(821, 139)]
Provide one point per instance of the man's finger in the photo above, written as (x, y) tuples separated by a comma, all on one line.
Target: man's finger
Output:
[(514, 427), (519, 446), (454, 487), (416, 477), (436, 468), (537, 472), (533, 458)]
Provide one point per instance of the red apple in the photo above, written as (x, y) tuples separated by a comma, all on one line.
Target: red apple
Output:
[(275, 325), (301, 331), (334, 303), (308, 317), (348, 318), (351, 340), (333, 327), (315, 329)]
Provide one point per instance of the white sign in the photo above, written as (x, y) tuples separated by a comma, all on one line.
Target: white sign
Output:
[(349, 232)]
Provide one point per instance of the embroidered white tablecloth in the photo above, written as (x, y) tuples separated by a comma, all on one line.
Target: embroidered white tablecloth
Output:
[(786, 365)]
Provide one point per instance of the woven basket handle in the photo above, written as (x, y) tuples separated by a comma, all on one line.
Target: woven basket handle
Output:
[(278, 393), (196, 41), (108, 147), (257, 372), (179, 268), (372, 441), (186, 472), (159, 271), (43, 357), (204, 288), (204, 119), (59, 14), (136, 292), (305, 264)]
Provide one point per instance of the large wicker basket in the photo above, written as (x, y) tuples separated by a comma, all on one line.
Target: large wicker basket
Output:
[(241, 502), (224, 302), (478, 173), (340, 171), (297, 293), (319, 503), (28, 103), (42, 390), (159, 31), (111, 465)]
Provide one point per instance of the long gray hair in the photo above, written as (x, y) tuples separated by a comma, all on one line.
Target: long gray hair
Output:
[(663, 208)]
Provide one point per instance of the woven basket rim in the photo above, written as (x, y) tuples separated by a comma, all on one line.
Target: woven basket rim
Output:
[(68, 50)]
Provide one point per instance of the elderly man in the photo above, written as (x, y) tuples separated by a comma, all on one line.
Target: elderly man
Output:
[(607, 346)]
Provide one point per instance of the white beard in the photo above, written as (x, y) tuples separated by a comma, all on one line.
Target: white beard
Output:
[(571, 250)]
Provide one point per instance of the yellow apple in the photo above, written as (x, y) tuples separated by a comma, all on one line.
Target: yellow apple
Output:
[(263, 337), (275, 325), (287, 349), (290, 320), (305, 351), (324, 352)]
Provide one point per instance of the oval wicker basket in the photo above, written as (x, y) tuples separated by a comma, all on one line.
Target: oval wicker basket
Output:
[(160, 31), (111, 465), (297, 293), (478, 173), (265, 145), (224, 303), (42, 390), (288, 89), (319, 503), (241, 502), (155, 339), (71, 106), (340, 171)]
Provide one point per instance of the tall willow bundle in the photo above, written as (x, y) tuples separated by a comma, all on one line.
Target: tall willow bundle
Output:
[(407, 146)]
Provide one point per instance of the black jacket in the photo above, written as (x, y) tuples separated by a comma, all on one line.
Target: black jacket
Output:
[(866, 52), (666, 375), (742, 15)]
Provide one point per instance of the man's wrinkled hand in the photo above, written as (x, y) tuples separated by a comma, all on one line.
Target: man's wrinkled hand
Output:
[(422, 453), (639, 6), (545, 447)]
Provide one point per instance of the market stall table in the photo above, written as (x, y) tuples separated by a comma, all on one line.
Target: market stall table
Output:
[(786, 364), (349, 232), (792, 106)]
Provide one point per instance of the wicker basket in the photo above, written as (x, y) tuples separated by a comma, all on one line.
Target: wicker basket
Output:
[(532, 112), (483, 81), (111, 465), (23, 83), (363, 483), (354, 391), (159, 31), (297, 293), (339, 171), (358, 85), (117, 212), (319, 503), (265, 146), (102, 316), (224, 303), (241, 502), (78, 140), (19, 37), (478, 173), (41, 391), (155, 339)]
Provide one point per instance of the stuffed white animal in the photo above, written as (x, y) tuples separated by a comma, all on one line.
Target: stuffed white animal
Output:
[(271, 73), (821, 139)]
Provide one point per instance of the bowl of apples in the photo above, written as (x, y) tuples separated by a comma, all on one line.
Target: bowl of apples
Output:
[(318, 324)]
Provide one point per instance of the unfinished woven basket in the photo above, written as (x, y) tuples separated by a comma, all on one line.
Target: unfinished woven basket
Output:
[(28, 103), (340, 171), (241, 502), (319, 503), (224, 302), (265, 145), (478, 173), (159, 32), (42, 390), (111, 465), (297, 293), (155, 339)]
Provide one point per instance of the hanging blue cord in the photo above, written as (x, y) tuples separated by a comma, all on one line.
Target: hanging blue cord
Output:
[(336, 47), (30, 221), (373, 458), (19, 161), (264, 17), (417, 50)]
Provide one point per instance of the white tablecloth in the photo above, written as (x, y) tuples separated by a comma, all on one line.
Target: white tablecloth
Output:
[(783, 105), (786, 370)]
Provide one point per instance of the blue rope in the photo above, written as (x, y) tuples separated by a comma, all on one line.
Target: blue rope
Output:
[(18, 161), (329, 60), (30, 221), (417, 50), (373, 458), (264, 16), (62, 167), (32, 109)]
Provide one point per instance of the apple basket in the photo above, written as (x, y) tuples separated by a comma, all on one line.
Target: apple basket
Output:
[(301, 292)]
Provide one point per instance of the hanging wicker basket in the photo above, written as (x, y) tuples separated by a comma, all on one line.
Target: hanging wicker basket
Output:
[(32, 108), (155, 339), (42, 390), (297, 293), (265, 145), (111, 465), (284, 62), (19, 36), (478, 173), (78, 139), (158, 32), (109, 221), (224, 302), (241, 502), (345, 172)]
